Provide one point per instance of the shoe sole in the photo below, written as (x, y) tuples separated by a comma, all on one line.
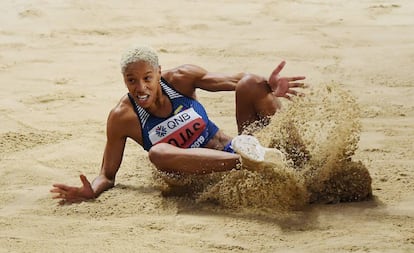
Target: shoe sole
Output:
[(253, 155)]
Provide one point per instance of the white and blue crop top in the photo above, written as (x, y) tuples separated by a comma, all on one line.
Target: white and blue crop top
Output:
[(188, 125)]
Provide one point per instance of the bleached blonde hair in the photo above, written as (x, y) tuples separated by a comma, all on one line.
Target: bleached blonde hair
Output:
[(138, 53)]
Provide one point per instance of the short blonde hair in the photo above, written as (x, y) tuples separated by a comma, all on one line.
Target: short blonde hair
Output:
[(138, 53)]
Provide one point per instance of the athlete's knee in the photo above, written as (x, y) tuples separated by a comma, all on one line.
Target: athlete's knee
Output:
[(246, 81), (252, 83), (159, 154)]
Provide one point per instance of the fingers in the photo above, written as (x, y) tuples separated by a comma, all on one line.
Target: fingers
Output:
[(61, 194), (295, 78), (65, 197), (61, 186), (296, 85), (287, 97), (71, 194), (293, 92), (289, 94), (58, 190), (278, 68), (62, 191), (85, 181)]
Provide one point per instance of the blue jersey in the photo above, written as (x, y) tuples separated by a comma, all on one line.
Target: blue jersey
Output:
[(188, 125)]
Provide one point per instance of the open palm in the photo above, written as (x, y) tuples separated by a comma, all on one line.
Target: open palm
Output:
[(283, 86), (73, 194)]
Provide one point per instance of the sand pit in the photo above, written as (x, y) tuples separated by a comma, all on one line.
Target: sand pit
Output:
[(59, 72)]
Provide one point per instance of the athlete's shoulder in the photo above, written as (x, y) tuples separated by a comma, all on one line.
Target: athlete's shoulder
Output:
[(123, 111), (184, 78), (123, 122)]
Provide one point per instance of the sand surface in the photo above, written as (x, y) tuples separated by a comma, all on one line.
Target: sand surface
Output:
[(59, 77)]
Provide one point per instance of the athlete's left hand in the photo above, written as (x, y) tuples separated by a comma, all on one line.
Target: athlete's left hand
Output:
[(283, 86)]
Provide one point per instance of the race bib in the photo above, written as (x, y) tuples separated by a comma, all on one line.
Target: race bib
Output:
[(181, 130)]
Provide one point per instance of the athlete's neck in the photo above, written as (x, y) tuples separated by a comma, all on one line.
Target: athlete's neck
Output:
[(162, 106)]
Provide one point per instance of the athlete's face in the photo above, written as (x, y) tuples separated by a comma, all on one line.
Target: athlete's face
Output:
[(142, 81)]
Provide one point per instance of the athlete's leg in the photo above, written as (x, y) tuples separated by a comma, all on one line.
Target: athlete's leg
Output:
[(254, 101), (169, 158)]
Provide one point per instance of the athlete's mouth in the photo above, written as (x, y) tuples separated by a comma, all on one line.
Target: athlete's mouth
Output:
[(143, 97)]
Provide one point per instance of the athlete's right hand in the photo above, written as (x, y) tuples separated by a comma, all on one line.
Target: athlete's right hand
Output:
[(71, 194)]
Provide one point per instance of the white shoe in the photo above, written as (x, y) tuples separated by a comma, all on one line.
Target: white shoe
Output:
[(254, 156)]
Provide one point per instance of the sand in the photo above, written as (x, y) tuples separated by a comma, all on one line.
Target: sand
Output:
[(60, 76)]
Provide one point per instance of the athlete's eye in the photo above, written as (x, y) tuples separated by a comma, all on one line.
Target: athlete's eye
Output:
[(131, 81), (148, 78)]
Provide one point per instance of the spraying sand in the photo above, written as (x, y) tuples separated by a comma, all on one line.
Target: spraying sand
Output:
[(318, 134)]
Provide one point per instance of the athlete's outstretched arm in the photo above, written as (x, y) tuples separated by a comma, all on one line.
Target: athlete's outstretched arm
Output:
[(187, 78), (111, 162)]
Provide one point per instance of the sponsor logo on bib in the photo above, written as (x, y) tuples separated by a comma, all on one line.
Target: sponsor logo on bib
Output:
[(182, 130)]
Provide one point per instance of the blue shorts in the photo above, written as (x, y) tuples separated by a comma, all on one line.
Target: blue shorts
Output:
[(228, 148)]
